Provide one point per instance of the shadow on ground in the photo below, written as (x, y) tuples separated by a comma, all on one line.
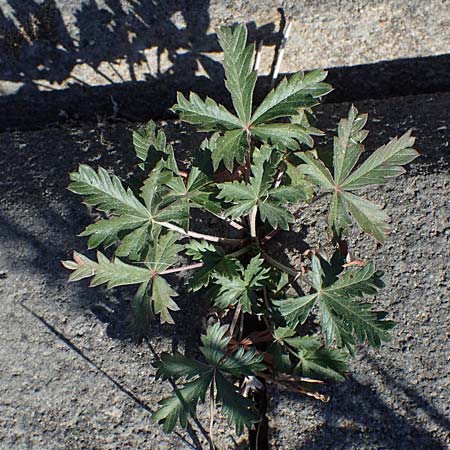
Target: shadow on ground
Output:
[(37, 45), (357, 416)]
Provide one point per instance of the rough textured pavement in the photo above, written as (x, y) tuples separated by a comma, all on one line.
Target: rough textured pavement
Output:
[(52, 44), (72, 378)]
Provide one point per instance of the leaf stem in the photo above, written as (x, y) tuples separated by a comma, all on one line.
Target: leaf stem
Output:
[(237, 312), (280, 266), (281, 53), (212, 409), (252, 220), (206, 237), (181, 269)]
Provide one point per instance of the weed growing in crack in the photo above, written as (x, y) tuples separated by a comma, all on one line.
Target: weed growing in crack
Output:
[(259, 164)]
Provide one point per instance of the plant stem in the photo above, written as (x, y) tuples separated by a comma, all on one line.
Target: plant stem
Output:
[(212, 409), (206, 237), (281, 266), (181, 269), (252, 220), (230, 222), (281, 53), (237, 312)]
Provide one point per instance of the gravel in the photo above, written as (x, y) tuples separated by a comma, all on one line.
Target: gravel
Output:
[(71, 375)]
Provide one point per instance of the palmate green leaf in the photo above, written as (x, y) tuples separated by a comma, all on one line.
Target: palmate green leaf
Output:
[(238, 59), (384, 163), (132, 222), (215, 264), (233, 134), (150, 146), (271, 202), (299, 91), (154, 295), (219, 365), (192, 193), (158, 296), (343, 317), (242, 289), (113, 273), (315, 360)]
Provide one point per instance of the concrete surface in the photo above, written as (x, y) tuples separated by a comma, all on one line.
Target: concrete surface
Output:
[(72, 378), (52, 44)]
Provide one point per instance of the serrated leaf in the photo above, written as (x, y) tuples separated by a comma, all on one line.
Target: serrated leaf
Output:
[(241, 289), (271, 202), (342, 316), (369, 216), (384, 163), (150, 146), (228, 148), (206, 114), (237, 408), (113, 273), (215, 263), (106, 192), (183, 403), (218, 366), (298, 91), (288, 135), (107, 231), (238, 59), (323, 362)]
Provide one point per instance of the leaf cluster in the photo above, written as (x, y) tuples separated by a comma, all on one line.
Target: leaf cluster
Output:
[(258, 164)]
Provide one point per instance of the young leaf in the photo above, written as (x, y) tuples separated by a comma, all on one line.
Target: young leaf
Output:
[(150, 146), (271, 202), (215, 264), (219, 364), (241, 289), (384, 163), (238, 59), (342, 316)]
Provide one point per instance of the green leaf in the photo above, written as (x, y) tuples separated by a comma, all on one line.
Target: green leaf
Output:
[(107, 231), (219, 365), (342, 316), (237, 408), (113, 273), (348, 145), (323, 362), (206, 114), (271, 202), (238, 59), (369, 216), (288, 135), (299, 91), (242, 289), (154, 295), (106, 192), (150, 146), (228, 148), (215, 264), (183, 403), (384, 163)]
